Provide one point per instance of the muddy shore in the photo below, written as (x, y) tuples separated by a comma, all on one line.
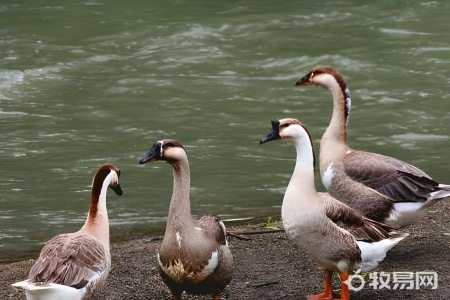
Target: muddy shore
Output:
[(269, 266)]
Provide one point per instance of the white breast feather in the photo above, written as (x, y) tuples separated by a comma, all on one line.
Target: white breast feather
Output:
[(327, 177), (178, 236), (212, 264)]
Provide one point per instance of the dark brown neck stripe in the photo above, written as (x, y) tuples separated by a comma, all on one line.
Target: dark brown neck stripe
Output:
[(97, 184)]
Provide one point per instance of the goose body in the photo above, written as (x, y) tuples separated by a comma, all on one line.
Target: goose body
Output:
[(73, 266), (194, 254), (382, 188), (332, 233)]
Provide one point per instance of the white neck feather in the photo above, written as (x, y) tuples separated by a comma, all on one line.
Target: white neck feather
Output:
[(305, 155), (99, 226), (301, 190), (328, 81), (304, 163)]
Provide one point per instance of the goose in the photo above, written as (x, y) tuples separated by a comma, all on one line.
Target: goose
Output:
[(194, 255), (72, 266), (329, 231), (382, 188)]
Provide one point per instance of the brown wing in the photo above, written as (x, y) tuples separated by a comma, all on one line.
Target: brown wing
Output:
[(70, 259), (213, 229), (389, 176), (361, 228)]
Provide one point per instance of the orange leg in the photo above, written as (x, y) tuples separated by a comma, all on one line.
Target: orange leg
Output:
[(327, 291), (217, 297), (345, 292)]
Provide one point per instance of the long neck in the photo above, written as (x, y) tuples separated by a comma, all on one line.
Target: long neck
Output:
[(333, 144), (97, 223), (180, 207), (303, 176), (301, 196), (337, 130)]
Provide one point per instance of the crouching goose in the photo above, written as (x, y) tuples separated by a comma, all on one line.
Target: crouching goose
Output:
[(72, 266), (382, 188), (194, 254), (329, 231)]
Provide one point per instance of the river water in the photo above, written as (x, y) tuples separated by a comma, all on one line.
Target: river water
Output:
[(84, 83)]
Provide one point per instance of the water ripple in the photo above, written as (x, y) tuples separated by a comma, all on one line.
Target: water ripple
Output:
[(403, 32), (419, 137)]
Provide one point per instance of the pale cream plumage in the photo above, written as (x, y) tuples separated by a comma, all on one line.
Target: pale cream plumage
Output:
[(73, 266), (336, 236)]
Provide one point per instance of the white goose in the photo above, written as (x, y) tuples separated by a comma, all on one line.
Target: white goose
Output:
[(329, 231), (72, 266), (382, 188)]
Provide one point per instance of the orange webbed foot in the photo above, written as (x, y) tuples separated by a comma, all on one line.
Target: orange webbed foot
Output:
[(321, 296), (327, 291)]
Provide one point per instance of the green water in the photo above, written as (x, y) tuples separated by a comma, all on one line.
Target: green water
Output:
[(86, 83)]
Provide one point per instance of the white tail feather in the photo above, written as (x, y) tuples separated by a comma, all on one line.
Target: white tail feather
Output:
[(50, 291), (373, 253)]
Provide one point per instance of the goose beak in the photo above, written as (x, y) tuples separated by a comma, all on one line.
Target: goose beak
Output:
[(152, 155), (117, 189), (273, 134), (305, 80)]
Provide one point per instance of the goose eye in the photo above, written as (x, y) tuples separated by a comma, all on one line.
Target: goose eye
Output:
[(284, 125), (118, 173)]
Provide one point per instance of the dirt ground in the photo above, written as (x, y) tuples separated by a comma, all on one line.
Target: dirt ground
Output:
[(269, 266)]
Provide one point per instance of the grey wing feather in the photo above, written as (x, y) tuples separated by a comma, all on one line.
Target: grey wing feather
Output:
[(70, 259), (391, 177), (361, 228)]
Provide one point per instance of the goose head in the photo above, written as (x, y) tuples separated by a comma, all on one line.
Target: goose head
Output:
[(101, 175), (168, 150), (332, 80), (290, 129), (324, 76), (285, 129)]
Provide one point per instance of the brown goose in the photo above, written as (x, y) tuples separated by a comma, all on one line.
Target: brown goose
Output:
[(194, 254), (332, 233), (382, 188), (72, 266)]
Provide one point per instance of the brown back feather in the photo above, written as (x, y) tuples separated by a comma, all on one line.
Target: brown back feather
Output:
[(70, 259)]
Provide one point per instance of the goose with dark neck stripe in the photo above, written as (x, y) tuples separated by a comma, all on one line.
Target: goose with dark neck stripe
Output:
[(194, 254), (380, 187), (73, 266), (332, 233)]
